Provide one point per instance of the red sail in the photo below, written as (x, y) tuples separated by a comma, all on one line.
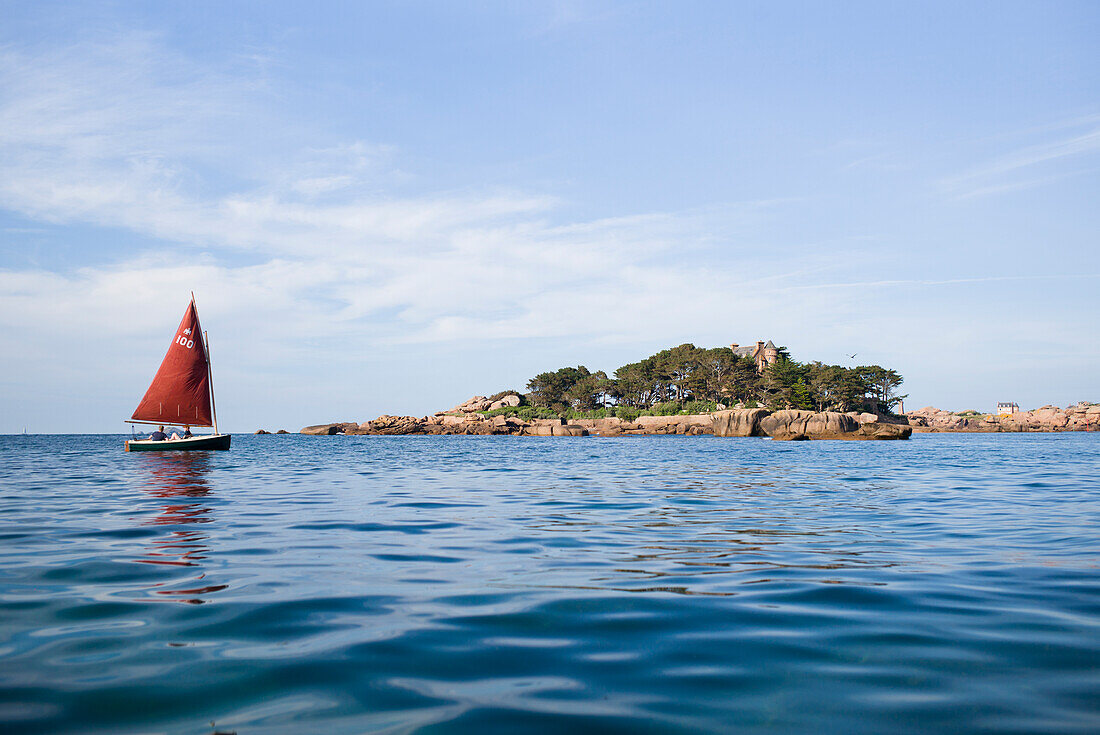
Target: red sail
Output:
[(180, 393)]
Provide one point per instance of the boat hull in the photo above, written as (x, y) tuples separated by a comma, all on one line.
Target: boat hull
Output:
[(211, 442)]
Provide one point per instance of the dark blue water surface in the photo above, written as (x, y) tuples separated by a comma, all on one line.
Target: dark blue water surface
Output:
[(498, 585)]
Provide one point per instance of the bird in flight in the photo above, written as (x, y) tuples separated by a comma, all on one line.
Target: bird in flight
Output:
[(852, 355)]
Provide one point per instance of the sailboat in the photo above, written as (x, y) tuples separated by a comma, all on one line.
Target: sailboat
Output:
[(182, 392)]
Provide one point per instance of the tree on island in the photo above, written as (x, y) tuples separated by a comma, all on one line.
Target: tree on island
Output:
[(552, 389), (570, 388), (675, 377), (882, 385), (636, 384)]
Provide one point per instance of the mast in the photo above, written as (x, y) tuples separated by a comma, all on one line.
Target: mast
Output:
[(210, 380), (209, 370)]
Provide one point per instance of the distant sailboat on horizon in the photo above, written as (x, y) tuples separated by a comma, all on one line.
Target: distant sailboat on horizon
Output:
[(182, 392)]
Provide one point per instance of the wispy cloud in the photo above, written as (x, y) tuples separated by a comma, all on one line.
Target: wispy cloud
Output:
[(92, 136), (1032, 165), (890, 283)]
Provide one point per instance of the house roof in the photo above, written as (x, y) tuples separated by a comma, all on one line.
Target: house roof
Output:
[(750, 350)]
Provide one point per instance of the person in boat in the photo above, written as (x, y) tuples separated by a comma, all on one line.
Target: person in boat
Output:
[(186, 433), (158, 435)]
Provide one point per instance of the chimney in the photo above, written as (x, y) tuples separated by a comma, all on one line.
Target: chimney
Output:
[(759, 344)]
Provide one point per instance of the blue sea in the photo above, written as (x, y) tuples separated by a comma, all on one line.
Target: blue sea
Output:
[(360, 584)]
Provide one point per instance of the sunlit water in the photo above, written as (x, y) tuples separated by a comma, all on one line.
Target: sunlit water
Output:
[(499, 584)]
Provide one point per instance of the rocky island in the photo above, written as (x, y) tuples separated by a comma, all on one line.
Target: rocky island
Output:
[(751, 391), (474, 417)]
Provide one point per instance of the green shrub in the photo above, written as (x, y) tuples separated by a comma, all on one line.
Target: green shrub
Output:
[(692, 407), (524, 412), (597, 413), (627, 413), (529, 413)]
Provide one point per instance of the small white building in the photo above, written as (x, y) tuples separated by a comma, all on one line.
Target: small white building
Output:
[(1006, 409)]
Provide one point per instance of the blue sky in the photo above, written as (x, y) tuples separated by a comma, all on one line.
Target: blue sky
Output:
[(389, 207)]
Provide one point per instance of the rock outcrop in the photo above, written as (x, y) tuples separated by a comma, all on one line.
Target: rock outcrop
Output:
[(738, 422), (688, 425), (802, 425), (477, 404), (791, 425), (780, 425), (509, 401), (1079, 417), (471, 424), (341, 427), (691, 424), (601, 427), (883, 430), (555, 430), (799, 425), (391, 425)]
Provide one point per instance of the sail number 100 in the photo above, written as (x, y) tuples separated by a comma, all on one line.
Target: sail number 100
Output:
[(188, 343)]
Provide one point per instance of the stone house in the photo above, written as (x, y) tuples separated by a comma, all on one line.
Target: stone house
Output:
[(763, 354), (1005, 408)]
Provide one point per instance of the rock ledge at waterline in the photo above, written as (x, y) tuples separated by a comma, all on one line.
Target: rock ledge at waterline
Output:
[(782, 425)]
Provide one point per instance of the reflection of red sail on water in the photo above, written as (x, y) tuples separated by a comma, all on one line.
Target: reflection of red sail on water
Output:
[(179, 478)]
